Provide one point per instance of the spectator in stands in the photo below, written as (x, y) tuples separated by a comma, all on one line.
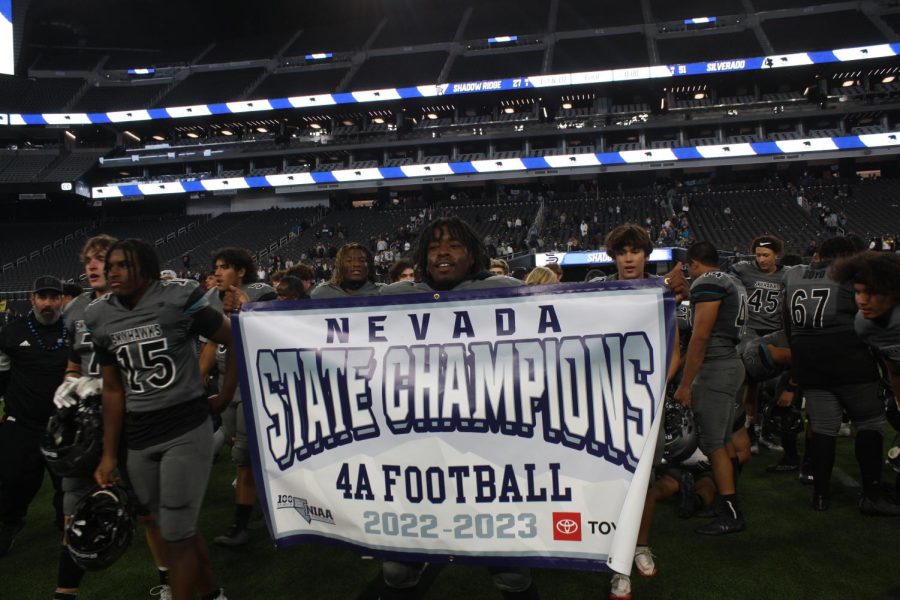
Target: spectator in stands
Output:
[(499, 267), (209, 281), (402, 270), (354, 274)]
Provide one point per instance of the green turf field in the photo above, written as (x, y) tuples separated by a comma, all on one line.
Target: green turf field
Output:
[(787, 552)]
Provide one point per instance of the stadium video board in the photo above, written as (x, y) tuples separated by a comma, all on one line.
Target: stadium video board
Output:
[(7, 59)]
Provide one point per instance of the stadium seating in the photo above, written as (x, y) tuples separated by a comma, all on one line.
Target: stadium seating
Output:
[(600, 52), (733, 44), (38, 95), (300, 83), (111, 98), (399, 70), (211, 86), (842, 30), (754, 211), (592, 14)]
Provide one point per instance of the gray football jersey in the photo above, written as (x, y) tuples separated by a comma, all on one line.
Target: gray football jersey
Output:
[(79, 337), (152, 343), (763, 295), (817, 304), (731, 319), (883, 336), (256, 292), (825, 349)]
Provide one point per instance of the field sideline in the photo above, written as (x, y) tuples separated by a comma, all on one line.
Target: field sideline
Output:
[(788, 551)]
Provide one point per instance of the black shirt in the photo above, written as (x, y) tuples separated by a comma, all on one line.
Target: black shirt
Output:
[(31, 368)]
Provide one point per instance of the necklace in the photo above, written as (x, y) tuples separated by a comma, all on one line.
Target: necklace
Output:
[(60, 342)]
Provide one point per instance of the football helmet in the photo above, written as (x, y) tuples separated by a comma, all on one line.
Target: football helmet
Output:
[(101, 528), (783, 419), (757, 361), (73, 440), (680, 433)]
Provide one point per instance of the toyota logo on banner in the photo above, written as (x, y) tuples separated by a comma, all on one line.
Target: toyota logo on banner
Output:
[(567, 526)]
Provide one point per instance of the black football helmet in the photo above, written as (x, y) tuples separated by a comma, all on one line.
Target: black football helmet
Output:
[(101, 528), (73, 441), (758, 362), (680, 433), (784, 420)]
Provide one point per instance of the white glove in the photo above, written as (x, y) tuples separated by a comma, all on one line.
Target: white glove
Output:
[(88, 386), (63, 397)]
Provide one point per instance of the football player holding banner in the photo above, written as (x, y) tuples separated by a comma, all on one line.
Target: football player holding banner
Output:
[(143, 333), (450, 256), (236, 283)]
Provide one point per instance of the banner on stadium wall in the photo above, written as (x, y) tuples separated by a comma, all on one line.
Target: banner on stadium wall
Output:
[(591, 257), (512, 425)]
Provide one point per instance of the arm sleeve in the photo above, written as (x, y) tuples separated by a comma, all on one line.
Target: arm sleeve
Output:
[(196, 302), (267, 297), (105, 358), (206, 322)]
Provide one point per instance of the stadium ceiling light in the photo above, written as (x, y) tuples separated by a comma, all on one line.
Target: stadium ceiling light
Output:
[(70, 135), (889, 79), (848, 83), (227, 132), (432, 116), (192, 135), (378, 120), (347, 123), (132, 136), (315, 126), (262, 130), (567, 105), (699, 95), (509, 110), (159, 138)]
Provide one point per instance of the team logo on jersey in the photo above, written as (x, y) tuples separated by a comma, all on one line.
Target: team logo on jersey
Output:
[(308, 512), (567, 526)]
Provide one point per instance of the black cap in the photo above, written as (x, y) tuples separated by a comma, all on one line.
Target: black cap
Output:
[(47, 283)]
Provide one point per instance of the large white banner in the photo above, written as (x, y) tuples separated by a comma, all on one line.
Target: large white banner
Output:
[(513, 425)]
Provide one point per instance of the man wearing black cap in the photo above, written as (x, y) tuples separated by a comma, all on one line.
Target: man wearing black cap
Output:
[(33, 355)]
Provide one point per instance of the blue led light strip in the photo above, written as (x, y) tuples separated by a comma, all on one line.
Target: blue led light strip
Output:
[(470, 87), (506, 165)]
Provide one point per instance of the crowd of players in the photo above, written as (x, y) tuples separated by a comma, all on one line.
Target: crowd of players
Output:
[(157, 350)]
